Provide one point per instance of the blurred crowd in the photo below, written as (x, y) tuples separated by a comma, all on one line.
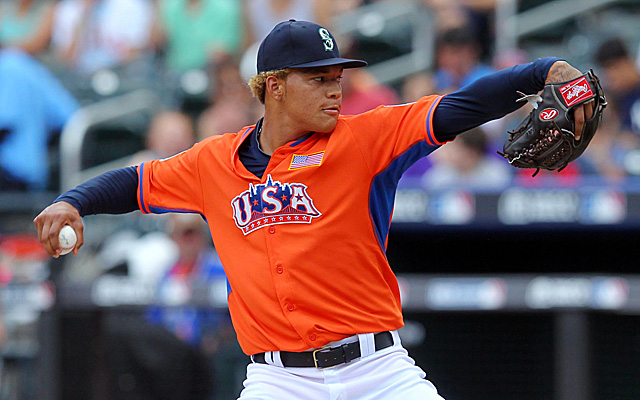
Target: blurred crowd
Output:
[(200, 53), (58, 56)]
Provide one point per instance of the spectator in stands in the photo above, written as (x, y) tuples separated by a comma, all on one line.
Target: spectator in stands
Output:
[(197, 263), (621, 80), (2, 332), (26, 24), (458, 59), (466, 163), (417, 85), (169, 133), (344, 6), (361, 92), (202, 327), (228, 84), (223, 116), (413, 87), (263, 15), (455, 13), (230, 104), (90, 35), (610, 148), (33, 107), (199, 33), (447, 13)]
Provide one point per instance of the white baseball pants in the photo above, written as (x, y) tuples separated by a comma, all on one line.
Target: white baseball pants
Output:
[(388, 374)]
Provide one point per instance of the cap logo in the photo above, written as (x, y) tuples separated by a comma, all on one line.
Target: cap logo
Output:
[(327, 40)]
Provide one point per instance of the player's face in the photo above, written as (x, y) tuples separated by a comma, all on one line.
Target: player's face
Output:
[(313, 97)]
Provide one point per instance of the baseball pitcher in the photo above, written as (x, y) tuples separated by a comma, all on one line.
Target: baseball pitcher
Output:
[(299, 206)]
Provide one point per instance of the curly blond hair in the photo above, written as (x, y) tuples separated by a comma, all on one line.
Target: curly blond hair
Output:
[(258, 82)]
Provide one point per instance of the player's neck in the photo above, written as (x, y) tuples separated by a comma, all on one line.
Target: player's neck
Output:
[(278, 132)]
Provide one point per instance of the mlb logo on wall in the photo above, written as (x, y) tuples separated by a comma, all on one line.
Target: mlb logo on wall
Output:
[(306, 160)]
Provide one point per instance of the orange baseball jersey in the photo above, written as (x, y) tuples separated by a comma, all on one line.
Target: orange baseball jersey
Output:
[(304, 248)]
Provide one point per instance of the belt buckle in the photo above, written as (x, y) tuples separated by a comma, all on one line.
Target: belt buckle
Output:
[(315, 359)]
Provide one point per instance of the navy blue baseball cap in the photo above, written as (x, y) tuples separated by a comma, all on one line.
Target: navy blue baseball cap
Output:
[(301, 44)]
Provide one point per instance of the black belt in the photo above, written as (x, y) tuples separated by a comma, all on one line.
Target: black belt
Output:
[(327, 357)]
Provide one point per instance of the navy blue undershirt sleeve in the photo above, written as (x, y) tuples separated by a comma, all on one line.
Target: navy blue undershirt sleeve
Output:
[(490, 97), (114, 192)]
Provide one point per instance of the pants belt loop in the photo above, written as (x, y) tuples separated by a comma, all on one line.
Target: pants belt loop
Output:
[(268, 357), (273, 358), (277, 361), (367, 344), (396, 338)]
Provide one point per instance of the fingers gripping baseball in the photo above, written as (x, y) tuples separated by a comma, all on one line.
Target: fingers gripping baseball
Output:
[(51, 220)]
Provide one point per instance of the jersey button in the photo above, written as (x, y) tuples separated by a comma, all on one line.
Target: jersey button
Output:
[(279, 269), (291, 307), (312, 337), (272, 229)]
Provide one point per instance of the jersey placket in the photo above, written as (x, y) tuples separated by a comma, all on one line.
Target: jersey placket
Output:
[(276, 252)]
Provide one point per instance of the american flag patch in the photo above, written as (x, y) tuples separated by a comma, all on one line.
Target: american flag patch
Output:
[(307, 160)]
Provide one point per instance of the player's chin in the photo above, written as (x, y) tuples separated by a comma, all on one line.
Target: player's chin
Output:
[(327, 123)]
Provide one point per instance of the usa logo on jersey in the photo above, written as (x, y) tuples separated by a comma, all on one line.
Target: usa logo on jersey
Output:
[(273, 203)]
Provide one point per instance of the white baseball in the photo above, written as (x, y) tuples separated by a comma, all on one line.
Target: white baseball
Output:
[(67, 238)]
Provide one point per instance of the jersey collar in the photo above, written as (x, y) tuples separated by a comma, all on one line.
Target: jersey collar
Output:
[(236, 164), (246, 133)]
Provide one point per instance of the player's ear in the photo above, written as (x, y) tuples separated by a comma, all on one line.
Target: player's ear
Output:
[(274, 87)]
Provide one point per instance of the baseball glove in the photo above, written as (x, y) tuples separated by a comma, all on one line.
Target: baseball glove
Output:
[(545, 139)]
